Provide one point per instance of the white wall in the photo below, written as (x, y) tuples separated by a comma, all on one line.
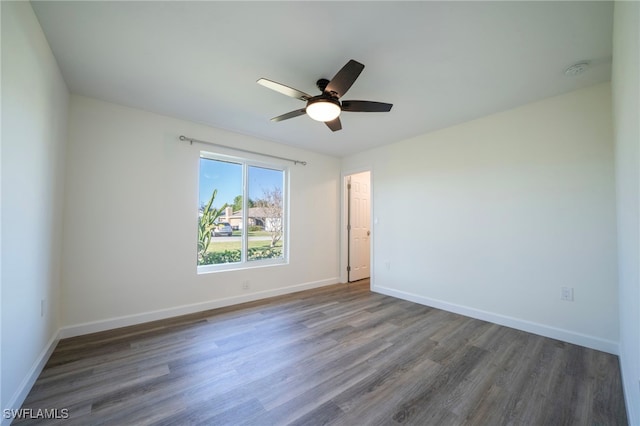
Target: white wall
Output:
[(131, 211), (492, 217), (34, 121), (626, 109)]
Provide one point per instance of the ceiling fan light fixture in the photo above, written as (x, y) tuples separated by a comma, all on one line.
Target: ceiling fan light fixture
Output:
[(323, 109)]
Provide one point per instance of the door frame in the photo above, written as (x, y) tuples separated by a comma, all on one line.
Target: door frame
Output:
[(343, 223)]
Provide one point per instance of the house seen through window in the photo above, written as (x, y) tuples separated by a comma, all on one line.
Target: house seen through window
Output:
[(242, 213)]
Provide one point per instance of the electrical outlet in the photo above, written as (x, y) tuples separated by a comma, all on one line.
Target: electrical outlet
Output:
[(245, 285), (388, 264), (566, 294)]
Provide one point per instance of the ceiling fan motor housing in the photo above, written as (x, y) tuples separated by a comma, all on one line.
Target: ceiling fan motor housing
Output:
[(323, 98), (322, 84)]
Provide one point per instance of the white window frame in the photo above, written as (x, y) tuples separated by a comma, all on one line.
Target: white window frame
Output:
[(244, 262)]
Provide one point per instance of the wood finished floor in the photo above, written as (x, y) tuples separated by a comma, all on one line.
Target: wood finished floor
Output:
[(337, 355)]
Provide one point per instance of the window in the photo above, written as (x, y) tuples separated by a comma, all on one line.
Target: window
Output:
[(242, 220)]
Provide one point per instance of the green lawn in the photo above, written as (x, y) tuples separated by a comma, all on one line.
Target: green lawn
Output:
[(252, 234), (235, 245), (227, 249), (218, 245)]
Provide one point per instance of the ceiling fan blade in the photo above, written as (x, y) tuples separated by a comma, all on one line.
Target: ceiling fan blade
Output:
[(366, 106), (285, 90), (334, 124), (289, 115), (343, 80)]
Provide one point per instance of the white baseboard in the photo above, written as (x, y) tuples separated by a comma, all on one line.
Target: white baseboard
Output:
[(124, 321), (568, 336), (18, 398), (630, 388)]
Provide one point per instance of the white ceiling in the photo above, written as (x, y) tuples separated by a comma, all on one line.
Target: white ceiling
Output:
[(439, 63)]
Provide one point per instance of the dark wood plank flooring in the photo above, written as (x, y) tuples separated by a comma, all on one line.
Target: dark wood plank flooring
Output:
[(337, 355)]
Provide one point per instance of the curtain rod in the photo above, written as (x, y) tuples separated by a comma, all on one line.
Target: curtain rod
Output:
[(191, 141)]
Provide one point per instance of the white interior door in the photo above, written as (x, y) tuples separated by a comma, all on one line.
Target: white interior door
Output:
[(359, 235)]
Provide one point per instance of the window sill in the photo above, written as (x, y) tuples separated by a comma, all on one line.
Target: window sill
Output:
[(227, 267)]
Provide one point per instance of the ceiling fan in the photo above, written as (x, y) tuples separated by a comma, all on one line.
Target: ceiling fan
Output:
[(327, 107)]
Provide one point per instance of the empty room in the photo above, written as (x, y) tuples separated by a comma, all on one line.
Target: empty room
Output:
[(331, 212)]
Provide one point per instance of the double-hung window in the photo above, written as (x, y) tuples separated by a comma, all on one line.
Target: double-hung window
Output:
[(242, 214)]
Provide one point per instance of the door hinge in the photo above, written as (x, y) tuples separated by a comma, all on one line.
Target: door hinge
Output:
[(348, 268)]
